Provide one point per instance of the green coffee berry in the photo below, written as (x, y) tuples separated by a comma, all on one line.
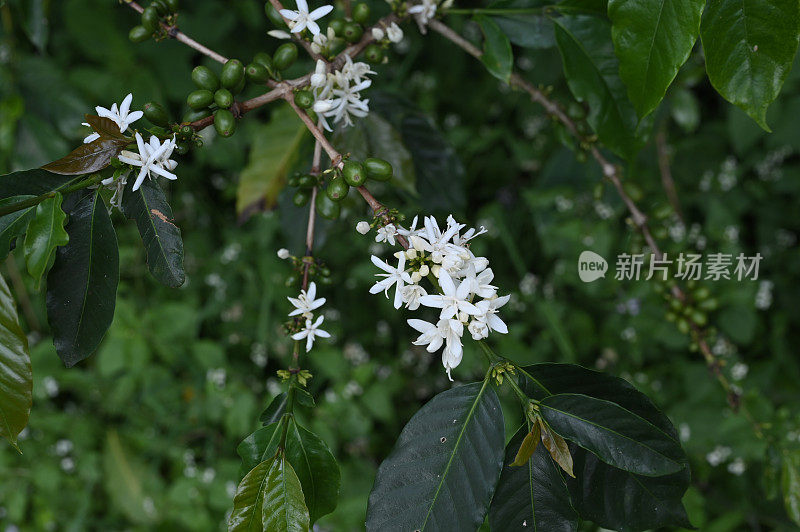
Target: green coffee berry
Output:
[(304, 99), (199, 99), (354, 174), (187, 132), (285, 56), (294, 180), (361, 13), (223, 98), (139, 34), (373, 53), (378, 169), (327, 208), (274, 16), (301, 197), (183, 147), (263, 58), (257, 73), (337, 25), (337, 189), (150, 19), (155, 114), (232, 73), (240, 87), (336, 45), (352, 32), (307, 181), (224, 122), (205, 78), (194, 116)]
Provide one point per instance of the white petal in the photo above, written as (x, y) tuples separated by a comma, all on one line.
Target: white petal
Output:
[(320, 12), (446, 283), (302, 6), (289, 14)]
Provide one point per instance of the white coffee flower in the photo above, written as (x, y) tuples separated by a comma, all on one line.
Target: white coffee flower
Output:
[(310, 332), (394, 33), (386, 234), (424, 12), (411, 294), (452, 300), (119, 115), (302, 19), (432, 336), (283, 253), (393, 276), (362, 227), (306, 303), (153, 158), (488, 313)]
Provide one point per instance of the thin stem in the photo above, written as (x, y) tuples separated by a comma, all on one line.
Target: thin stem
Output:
[(335, 156), (666, 173)]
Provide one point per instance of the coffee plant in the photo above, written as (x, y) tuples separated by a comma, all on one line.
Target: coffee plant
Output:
[(533, 444)]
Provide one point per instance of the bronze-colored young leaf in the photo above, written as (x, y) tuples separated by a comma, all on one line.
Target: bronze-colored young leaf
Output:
[(104, 126), (89, 158), (557, 447), (528, 446)]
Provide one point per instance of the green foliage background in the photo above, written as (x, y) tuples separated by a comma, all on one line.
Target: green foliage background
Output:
[(143, 434)]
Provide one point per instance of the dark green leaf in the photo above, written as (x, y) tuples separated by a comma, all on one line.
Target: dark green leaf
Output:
[(497, 55), (31, 182), (316, 468), (595, 7), (531, 497), (274, 411), (790, 484), (16, 378), (749, 47), (82, 285), (259, 446), (617, 436), (161, 237), (591, 69), (45, 233), (443, 468), (14, 224), (528, 31), (440, 173), (652, 39), (269, 498), (88, 158), (650, 502)]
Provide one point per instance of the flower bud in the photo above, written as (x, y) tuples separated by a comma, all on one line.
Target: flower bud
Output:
[(463, 317), (322, 106), (362, 227), (279, 34), (435, 270), (411, 254), (377, 34), (424, 270), (283, 253), (416, 277)]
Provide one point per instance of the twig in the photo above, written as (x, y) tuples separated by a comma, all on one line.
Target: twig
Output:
[(175, 33), (335, 156), (662, 151)]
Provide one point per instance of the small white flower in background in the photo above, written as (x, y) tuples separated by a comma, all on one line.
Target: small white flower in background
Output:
[(322, 106), (362, 227), (320, 41), (394, 33), (310, 332), (377, 34), (393, 276), (320, 75), (302, 19), (153, 158), (386, 234), (279, 34), (306, 303), (467, 299), (424, 12), (283, 253), (343, 89)]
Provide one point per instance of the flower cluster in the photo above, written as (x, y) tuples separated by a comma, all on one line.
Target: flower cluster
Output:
[(425, 11), (338, 94), (304, 306), (463, 292)]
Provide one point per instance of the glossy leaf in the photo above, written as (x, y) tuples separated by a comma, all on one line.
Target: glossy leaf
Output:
[(749, 48), (31, 182), (14, 224), (443, 468), (650, 502), (82, 285), (497, 55), (269, 498), (275, 410), (316, 468), (259, 446), (88, 158), (790, 484), (617, 436), (591, 69), (274, 151), (528, 31), (16, 378), (160, 236), (45, 233), (531, 497), (652, 39), (104, 126)]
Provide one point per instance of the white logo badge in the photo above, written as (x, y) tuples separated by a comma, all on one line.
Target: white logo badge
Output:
[(591, 266)]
